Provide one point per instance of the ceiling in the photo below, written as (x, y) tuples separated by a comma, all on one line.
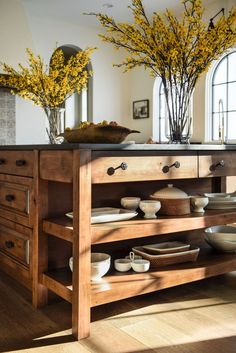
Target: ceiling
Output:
[(72, 10)]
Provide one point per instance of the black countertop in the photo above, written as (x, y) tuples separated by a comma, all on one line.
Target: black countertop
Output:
[(129, 147)]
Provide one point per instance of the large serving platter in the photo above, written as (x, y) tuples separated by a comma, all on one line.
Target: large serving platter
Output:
[(108, 214)]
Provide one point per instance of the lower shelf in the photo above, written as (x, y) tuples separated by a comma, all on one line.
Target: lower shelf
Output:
[(118, 285)]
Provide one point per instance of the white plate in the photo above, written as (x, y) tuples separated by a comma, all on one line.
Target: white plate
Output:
[(221, 196), (221, 206), (223, 202), (108, 214)]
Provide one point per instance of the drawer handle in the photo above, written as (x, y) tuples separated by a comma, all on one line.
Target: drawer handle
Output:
[(219, 164), (111, 170), (9, 244), (166, 168), (2, 161), (9, 197), (20, 162)]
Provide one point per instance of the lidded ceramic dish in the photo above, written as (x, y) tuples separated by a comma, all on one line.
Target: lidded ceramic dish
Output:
[(174, 201)]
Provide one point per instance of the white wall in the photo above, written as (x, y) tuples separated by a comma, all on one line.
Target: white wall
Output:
[(15, 34)]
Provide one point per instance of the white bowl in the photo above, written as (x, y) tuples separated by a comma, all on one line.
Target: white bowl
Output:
[(221, 233), (140, 265), (100, 264), (150, 208), (198, 203), (131, 203), (122, 265), (222, 245)]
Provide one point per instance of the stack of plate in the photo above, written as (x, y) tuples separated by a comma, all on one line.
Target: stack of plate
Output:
[(219, 201), (169, 253), (221, 238)]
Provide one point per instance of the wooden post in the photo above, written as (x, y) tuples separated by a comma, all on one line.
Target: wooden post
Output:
[(81, 243), (39, 253)]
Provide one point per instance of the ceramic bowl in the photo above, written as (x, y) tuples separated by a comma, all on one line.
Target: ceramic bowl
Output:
[(100, 264), (140, 265), (222, 245), (131, 203), (150, 208), (122, 265), (221, 233), (198, 203)]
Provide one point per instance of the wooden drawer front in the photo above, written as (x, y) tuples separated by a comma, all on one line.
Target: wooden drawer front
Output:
[(15, 197), (14, 244), (17, 162), (56, 166), (136, 168), (217, 164)]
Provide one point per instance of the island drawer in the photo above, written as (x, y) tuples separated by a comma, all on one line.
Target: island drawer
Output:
[(15, 244), (17, 163), (142, 168), (217, 164), (16, 199)]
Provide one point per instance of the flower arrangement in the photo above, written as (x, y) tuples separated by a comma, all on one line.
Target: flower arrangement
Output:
[(48, 86), (176, 50)]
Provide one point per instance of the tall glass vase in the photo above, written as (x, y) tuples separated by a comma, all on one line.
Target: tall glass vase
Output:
[(56, 124), (178, 124)]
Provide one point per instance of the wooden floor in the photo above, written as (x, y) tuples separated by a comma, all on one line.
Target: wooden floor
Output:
[(193, 318)]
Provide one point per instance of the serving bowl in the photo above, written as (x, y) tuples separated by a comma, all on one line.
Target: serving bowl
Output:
[(100, 264), (98, 134), (221, 245), (221, 233)]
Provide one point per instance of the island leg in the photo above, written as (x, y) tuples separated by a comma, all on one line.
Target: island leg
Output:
[(81, 243)]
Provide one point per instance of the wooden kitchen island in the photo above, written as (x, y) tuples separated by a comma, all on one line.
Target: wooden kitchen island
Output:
[(40, 184)]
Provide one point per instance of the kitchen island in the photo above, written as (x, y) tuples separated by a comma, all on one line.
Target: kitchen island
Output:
[(40, 184)]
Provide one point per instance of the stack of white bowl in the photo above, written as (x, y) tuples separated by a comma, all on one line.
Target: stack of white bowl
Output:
[(219, 201), (221, 238)]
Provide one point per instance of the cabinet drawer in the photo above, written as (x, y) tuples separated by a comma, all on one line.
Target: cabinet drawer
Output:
[(17, 162), (217, 164), (15, 244), (141, 168), (16, 199)]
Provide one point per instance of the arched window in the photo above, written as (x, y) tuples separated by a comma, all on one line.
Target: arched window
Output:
[(221, 99), (78, 107), (159, 111)]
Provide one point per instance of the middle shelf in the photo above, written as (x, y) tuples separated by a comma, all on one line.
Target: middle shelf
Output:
[(62, 227)]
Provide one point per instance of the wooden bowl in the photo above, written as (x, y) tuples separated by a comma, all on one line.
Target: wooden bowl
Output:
[(98, 134), (174, 207)]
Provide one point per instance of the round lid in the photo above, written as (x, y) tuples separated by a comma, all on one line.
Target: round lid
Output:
[(170, 193)]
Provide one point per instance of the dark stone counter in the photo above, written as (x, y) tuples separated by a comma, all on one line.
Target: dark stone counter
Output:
[(129, 147)]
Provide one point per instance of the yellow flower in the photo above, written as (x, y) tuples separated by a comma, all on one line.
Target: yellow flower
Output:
[(48, 86)]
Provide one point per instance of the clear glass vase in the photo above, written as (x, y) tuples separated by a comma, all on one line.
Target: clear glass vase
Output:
[(178, 123), (56, 124)]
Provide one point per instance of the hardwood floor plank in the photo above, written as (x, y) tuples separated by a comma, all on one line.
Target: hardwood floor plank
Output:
[(193, 318)]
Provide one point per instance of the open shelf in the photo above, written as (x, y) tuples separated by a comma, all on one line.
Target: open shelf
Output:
[(116, 285), (137, 228)]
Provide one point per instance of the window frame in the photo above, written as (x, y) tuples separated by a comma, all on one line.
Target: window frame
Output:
[(209, 104)]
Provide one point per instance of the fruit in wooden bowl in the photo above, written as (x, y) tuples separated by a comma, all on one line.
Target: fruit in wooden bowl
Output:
[(103, 132)]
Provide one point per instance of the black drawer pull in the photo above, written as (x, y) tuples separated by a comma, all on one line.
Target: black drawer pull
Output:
[(20, 162), (9, 244), (2, 161), (219, 164), (166, 168), (9, 197), (111, 170)]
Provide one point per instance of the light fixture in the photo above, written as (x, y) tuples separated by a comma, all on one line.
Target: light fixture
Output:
[(211, 23), (108, 5)]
